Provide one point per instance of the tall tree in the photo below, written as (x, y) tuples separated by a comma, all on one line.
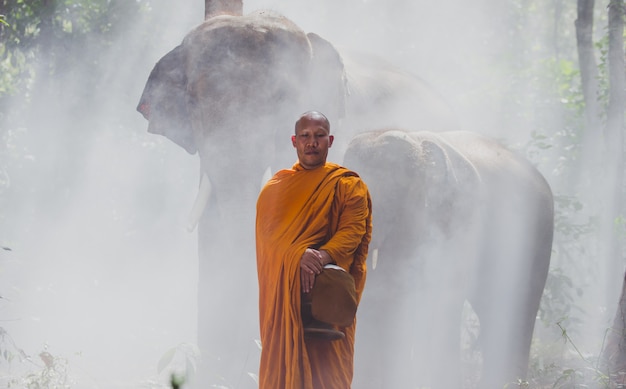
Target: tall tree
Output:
[(587, 62), (614, 132), (615, 352), (615, 116)]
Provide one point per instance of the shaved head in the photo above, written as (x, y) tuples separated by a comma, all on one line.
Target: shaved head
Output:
[(313, 116)]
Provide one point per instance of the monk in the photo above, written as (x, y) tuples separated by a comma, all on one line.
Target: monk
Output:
[(311, 215)]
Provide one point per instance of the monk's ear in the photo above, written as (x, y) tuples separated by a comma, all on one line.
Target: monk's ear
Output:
[(293, 140), (331, 138)]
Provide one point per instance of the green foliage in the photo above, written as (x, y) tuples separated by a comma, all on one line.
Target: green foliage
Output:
[(177, 381), (573, 225), (182, 357), (57, 62), (180, 362), (8, 349), (519, 384), (44, 372), (52, 34), (559, 300), (53, 375), (560, 364)]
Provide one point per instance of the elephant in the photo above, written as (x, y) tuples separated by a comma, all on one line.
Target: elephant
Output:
[(457, 218), (230, 92)]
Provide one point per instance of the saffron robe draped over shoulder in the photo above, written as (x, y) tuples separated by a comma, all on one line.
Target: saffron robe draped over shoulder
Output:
[(327, 208)]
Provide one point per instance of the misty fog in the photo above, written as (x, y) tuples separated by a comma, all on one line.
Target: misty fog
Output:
[(98, 266)]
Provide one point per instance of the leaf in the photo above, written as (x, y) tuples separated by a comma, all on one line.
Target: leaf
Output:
[(177, 381), (166, 359), (48, 359)]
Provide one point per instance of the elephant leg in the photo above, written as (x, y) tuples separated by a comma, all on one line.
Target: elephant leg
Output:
[(384, 341), (408, 333), (506, 302), (227, 306), (445, 347), (505, 345), (439, 323)]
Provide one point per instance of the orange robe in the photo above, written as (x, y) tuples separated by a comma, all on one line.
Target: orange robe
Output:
[(327, 208)]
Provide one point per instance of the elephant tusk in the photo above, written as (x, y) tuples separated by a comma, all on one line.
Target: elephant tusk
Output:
[(374, 258), (266, 176), (202, 198)]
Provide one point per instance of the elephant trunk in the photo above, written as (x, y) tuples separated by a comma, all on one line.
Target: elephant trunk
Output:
[(217, 7), (202, 199)]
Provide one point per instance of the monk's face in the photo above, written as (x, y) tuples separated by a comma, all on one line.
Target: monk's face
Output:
[(312, 141)]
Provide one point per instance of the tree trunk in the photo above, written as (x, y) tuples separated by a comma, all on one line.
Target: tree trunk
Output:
[(614, 131), (587, 62), (615, 352), (591, 140), (216, 7), (615, 115)]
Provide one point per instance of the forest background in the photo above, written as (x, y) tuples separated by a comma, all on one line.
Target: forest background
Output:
[(97, 272)]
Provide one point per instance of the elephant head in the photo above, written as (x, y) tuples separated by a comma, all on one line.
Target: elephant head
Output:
[(417, 169), (232, 90)]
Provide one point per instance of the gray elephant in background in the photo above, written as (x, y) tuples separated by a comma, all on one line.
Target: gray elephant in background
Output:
[(457, 217), (231, 92)]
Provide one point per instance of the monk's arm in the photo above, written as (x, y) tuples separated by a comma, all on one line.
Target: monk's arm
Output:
[(353, 213)]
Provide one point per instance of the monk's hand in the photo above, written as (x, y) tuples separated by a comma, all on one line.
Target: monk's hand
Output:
[(326, 259), (311, 264)]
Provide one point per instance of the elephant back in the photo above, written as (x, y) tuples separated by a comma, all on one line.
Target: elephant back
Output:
[(501, 168)]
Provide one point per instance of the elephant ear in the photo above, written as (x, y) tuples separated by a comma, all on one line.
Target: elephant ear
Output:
[(164, 100), (328, 79), (439, 179), (451, 179)]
